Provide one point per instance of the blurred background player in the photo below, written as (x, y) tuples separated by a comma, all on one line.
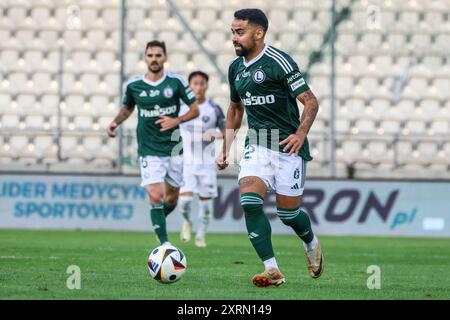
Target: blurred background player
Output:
[(157, 95), (267, 82), (199, 170)]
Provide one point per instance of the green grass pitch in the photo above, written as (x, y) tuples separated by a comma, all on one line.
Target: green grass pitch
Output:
[(33, 265)]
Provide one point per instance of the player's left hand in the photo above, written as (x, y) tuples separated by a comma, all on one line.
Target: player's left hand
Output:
[(293, 143), (167, 123)]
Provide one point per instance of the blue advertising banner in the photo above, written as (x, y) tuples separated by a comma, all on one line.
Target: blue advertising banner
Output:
[(119, 203)]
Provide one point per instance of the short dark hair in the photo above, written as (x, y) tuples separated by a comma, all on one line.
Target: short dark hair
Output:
[(254, 16), (156, 43), (198, 73)]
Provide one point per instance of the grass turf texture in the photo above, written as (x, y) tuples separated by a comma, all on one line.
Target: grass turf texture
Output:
[(33, 265)]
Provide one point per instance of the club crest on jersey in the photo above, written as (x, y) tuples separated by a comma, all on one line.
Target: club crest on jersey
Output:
[(205, 119), (168, 92), (259, 76)]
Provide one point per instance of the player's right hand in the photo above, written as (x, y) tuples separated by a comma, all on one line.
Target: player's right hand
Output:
[(221, 161), (110, 130)]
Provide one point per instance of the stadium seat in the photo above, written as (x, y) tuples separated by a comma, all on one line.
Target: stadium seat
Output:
[(34, 122), (215, 40), (73, 104), (42, 81), (111, 16), (415, 127), (442, 42), (49, 104), (404, 150), (111, 84), (9, 58), (427, 151), (142, 37), (5, 102), (442, 85), (83, 123), (342, 126), (17, 15), (19, 145), (71, 148), (40, 16), (10, 121), (44, 146), (379, 152), (440, 127), (89, 82), (348, 151)]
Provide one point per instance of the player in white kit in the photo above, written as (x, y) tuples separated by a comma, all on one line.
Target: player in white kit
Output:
[(199, 172)]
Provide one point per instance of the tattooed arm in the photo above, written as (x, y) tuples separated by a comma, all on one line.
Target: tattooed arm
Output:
[(295, 141), (123, 115), (309, 100)]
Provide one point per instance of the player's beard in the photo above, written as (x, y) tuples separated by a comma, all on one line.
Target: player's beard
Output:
[(243, 52), (154, 68)]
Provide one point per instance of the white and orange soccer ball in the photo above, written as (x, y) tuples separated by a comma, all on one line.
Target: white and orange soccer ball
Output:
[(167, 264)]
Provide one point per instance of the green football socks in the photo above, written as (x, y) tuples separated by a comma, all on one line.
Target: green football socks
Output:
[(158, 218), (168, 208), (258, 226), (299, 221)]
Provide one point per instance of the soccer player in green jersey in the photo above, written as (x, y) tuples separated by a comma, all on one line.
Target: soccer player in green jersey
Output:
[(266, 82), (157, 96)]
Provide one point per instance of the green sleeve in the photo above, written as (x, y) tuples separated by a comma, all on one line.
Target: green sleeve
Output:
[(128, 99), (234, 96), (295, 83), (186, 94), (293, 80)]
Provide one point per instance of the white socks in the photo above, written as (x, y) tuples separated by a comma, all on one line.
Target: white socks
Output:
[(204, 214), (312, 245), (270, 263), (185, 207)]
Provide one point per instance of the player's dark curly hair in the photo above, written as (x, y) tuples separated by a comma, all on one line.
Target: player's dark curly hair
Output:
[(254, 16), (198, 73), (156, 43)]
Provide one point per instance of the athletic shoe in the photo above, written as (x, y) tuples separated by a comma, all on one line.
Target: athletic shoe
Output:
[(314, 260), (270, 277), (186, 229), (200, 242)]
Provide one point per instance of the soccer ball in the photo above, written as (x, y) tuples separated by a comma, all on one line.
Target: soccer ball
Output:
[(167, 264)]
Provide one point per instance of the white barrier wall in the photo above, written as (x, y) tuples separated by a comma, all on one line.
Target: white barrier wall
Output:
[(119, 203)]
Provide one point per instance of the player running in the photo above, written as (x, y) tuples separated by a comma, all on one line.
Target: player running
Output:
[(199, 159), (157, 96), (266, 82)]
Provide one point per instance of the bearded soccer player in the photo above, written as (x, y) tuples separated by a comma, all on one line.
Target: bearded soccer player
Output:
[(266, 82), (199, 170), (157, 96)]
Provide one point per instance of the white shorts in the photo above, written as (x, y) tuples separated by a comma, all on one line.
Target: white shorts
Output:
[(159, 169), (201, 183), (280, 172)]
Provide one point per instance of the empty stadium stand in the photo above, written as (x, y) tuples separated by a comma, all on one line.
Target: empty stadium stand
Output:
[(392, 78)]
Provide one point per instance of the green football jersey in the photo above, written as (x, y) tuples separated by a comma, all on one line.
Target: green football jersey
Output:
[(268, 86), (154, 99)]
